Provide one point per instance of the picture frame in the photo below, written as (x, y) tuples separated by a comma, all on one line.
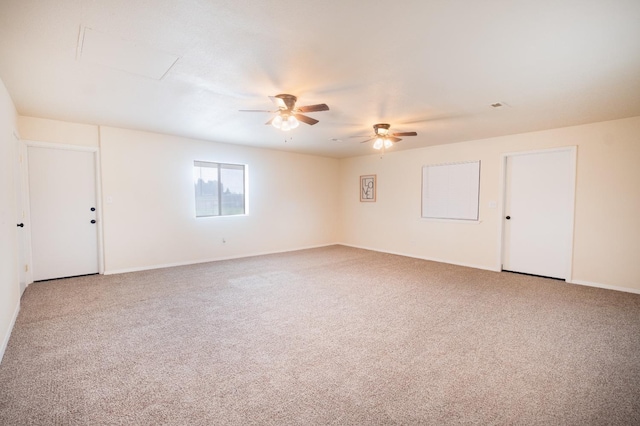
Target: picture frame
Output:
[(368, 188)]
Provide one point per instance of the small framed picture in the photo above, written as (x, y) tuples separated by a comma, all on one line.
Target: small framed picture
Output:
[(368, 188)]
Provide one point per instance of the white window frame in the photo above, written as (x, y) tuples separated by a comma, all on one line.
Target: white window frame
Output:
[(219, 166)]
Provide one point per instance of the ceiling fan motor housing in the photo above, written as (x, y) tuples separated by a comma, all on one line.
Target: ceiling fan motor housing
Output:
[(381, 128), (289, 100)]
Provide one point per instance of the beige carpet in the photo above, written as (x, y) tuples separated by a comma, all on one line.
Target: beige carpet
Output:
[(325, 336)]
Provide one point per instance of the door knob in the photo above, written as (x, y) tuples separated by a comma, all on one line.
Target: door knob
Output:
[(21, 225), (93, 221), (508, 217)]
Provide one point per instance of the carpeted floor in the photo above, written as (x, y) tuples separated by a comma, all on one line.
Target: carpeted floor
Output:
[(335, 335)]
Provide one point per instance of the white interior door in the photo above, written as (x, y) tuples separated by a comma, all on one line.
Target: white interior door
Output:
[(538, 221), (62, 194)]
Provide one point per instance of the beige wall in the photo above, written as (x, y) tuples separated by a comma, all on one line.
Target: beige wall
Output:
[(61, 132), (293, 201), (607, 214), (151, 221), (9, 278)]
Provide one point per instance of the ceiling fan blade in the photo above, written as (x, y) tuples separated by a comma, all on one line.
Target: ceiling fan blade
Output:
[(368, 140), (255, 110), (279, 102), (392, 139), (405, 134), (269, 122), (305, 119), (313, 108), (360, 136)]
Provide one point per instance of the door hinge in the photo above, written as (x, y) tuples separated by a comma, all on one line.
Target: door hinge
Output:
[(26, 268)]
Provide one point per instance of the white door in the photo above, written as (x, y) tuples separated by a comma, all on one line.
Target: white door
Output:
[(62, 195), (538, 221)]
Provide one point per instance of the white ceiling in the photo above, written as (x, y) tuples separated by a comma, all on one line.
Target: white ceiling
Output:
[(433, 66)]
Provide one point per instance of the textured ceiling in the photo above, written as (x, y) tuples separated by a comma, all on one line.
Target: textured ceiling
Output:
[(433, 66)]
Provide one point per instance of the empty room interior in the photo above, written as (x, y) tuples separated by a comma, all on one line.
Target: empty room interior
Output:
[(338, 212)]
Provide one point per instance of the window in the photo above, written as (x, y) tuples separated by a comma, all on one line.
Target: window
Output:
[(451, 191), (219, 189)]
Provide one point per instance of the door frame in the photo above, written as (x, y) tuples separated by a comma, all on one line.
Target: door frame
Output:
[(573, 154), (96, 158), (24, 240)]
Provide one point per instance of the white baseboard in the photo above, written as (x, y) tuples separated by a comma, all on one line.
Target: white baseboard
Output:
[(577, 282), (605, 286), (214, 259), (5, 340), (467, 265)]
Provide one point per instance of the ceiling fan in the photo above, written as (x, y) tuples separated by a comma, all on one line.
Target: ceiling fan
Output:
[(383, 137), (289, 116)]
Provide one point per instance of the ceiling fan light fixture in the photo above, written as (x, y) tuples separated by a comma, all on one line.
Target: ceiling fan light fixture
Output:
[(277, 121), (378, 143), (387, 143), (285, 122), (293, 122)]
